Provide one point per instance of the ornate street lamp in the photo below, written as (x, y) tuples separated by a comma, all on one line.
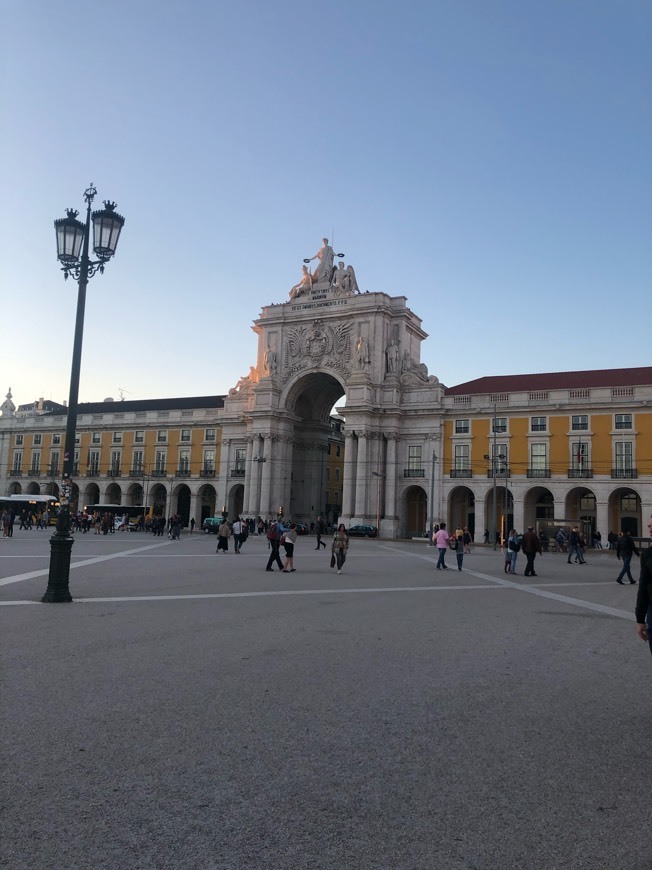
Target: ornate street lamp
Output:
[(73, 238)]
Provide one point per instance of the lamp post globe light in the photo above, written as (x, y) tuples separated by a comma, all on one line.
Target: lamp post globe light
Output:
[(73, 241)]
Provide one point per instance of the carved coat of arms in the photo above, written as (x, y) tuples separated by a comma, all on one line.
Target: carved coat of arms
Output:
[(319, 344)]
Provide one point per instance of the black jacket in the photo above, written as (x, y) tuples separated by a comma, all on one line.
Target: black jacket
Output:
[(625, 547), (644, 597)]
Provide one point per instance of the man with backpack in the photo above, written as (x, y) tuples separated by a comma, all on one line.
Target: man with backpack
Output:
[(274, 538), (531, 546)]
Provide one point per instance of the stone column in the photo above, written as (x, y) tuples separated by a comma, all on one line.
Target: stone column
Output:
[(480, 517), (349, 472), (255, 474), (249, 475), (392, 474), (193, 509), (223, 480), (362, 476), (602, 520), (266, 481)]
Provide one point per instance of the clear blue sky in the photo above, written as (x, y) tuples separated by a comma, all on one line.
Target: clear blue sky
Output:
[(488, 160)]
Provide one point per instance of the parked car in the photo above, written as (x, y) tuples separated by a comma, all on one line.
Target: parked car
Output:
[(212, 524), (363, 532)]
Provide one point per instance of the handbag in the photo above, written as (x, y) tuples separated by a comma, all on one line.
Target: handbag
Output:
[(333, 560)]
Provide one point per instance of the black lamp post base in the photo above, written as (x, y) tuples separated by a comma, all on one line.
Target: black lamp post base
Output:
[(58, 590)]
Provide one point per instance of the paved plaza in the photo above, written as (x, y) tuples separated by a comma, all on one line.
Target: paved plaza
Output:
[(189, 710)]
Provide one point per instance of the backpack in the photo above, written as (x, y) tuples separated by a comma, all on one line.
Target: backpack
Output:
[(515, 544), (271, 534)]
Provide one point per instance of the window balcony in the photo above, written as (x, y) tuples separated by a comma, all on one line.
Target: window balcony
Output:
[(414, 472), (207, 472), (93, 471), (159, 472), (500, 472), (182, 472), (35, 472), (114, 472), (538, 472), (53, 471), (237, 472), (580, 473), (16, 472), (461, 472), (136, 472), (624, 473)]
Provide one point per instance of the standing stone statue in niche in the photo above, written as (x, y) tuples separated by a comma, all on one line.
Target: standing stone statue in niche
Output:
[(304, 284), (344, 279), (269, 360), (362, 352), (393, 357)]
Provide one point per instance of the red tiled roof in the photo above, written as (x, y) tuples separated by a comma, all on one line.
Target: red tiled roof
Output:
[(554, 381)]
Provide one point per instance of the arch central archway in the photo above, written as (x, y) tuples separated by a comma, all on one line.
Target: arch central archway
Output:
[(309, 403)]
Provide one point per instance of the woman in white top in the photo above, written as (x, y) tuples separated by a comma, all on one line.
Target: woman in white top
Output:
[(289, 540)]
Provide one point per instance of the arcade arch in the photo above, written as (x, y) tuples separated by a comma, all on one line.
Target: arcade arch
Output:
[(461, 508), (538, 504), (624, 511), (415, 506)]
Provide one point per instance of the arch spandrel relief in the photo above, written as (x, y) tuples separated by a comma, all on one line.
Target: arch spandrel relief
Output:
[(321, 344)]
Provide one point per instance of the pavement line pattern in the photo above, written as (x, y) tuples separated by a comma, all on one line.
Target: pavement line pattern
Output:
[(269, 593), (29, 575)]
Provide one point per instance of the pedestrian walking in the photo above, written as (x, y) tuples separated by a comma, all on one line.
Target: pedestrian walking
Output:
[(289, 539), (513, 547), (238, 526), (192, 525), (574, 546), (468, 540), (339, 548), (274, 537), (320, 529), (625, 549), (531, 546), (441, 542), (223, 535), (456, 543), (643, 611)]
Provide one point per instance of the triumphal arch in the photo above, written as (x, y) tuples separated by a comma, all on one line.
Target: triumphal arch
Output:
[(332, 346)]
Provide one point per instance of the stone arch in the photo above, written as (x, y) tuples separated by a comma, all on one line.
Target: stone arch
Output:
[(113, 494), (33, 488), (159, 500), (134, 495), (538, 504), (15, 488), (624, 511), (580, 504), (415, 512), (51, 488), (235, 500), (461, 508), (504, 516), (91, 494), (183, 498), (206, 499), (301, 444)]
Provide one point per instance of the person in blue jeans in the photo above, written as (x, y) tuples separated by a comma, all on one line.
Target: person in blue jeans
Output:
[(574, 546), (625, 549), (441, 542)]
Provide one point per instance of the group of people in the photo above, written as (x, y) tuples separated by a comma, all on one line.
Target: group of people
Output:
[(280, 535)]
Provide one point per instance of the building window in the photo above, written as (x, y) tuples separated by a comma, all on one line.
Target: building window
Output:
[(538, 457), (185, 435), (159, 462), (18, 462), (137, 461), (623, 421), (209, 435), (337, 450), (337, 475), (115, 461), (499, 424), (336, 497), (56, 439), (579, 423), (461, 427), (139, 437), (329, 448), (624, 456), (499, 457), (19, 440), (184, 461), (240, 458), (94, 462), (37, 438), (96, 438), (117, 437), (538, 424), (580, 457), (54, 463), (414, 457), (328, 473), (36, 461), (209, 459), (162, 436), (629, 504), (461, 460)]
